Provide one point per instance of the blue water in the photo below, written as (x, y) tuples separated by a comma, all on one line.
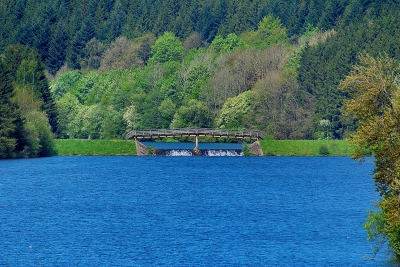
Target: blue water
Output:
[(185, 211)]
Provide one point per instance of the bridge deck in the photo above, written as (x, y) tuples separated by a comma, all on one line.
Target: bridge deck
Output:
[(149, 134)]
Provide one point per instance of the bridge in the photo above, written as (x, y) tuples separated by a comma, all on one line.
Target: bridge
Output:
[(150, 134), (218, 133)]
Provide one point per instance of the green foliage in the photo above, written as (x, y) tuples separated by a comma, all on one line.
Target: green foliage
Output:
[(246, 150), (167, 110), (113, 126), (323, 150), (294, 63), (159, 95), (151, 150), (233, 114), (27, 70), (25, 100), (67, 80), (60, 31), (324, 65), (131, 118), (68, 107), (40, 139), (194, 114), (228, 44), (168, 47), (8, 116), (373, 89), (197, 78), (270, 32), (374, 225)]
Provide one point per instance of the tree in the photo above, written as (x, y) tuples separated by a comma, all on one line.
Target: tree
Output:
[(26, 70), (196, 78), (194, 40), (144, 50), (373, 87), (228, 44), (131, 118), (270, 32), (57, 49), (168, 47), (233, 114), (68, 107), (194, 114), (92, 55), (65, 81), (121, 55), (38, 135), (167, 110), (9, 115)]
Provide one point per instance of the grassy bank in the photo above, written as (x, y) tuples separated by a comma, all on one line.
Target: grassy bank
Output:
[(74, 147), (305, 148)]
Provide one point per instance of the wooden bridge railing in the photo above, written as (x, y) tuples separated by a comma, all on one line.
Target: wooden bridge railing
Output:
[(140, 134)]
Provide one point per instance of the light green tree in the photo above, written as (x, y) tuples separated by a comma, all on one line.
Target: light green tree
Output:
[(168, 47), (374, 90), (131, 118), (228, 44), (233, 114), (38, 134), (59, 86), (270, 32), (112, 125), (68, 107), (87, 123)]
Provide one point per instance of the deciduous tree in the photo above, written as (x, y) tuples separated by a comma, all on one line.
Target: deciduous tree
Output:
[(373, 86), (168, 47)]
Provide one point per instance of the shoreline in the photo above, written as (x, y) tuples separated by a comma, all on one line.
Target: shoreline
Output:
[(82, 147)]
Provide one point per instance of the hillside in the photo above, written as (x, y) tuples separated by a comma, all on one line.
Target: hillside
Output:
[(117, 65)]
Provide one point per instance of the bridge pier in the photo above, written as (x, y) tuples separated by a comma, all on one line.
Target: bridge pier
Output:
[(141, 149), (196, 142), (255, 149)]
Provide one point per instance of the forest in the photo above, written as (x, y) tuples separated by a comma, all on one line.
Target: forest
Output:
[(96, 69)]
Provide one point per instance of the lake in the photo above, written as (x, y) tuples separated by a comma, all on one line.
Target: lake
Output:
[(186, 211)]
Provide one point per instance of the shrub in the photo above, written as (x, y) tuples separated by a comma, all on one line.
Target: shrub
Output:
[(323, 150)]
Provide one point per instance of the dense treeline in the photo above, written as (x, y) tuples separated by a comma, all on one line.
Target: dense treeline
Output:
[(235, 82), (60, 29), (322, 67)]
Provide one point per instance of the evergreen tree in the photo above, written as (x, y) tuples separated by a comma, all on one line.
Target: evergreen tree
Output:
[(9, 115), (116, 22), (57, 49), (27, 70)]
